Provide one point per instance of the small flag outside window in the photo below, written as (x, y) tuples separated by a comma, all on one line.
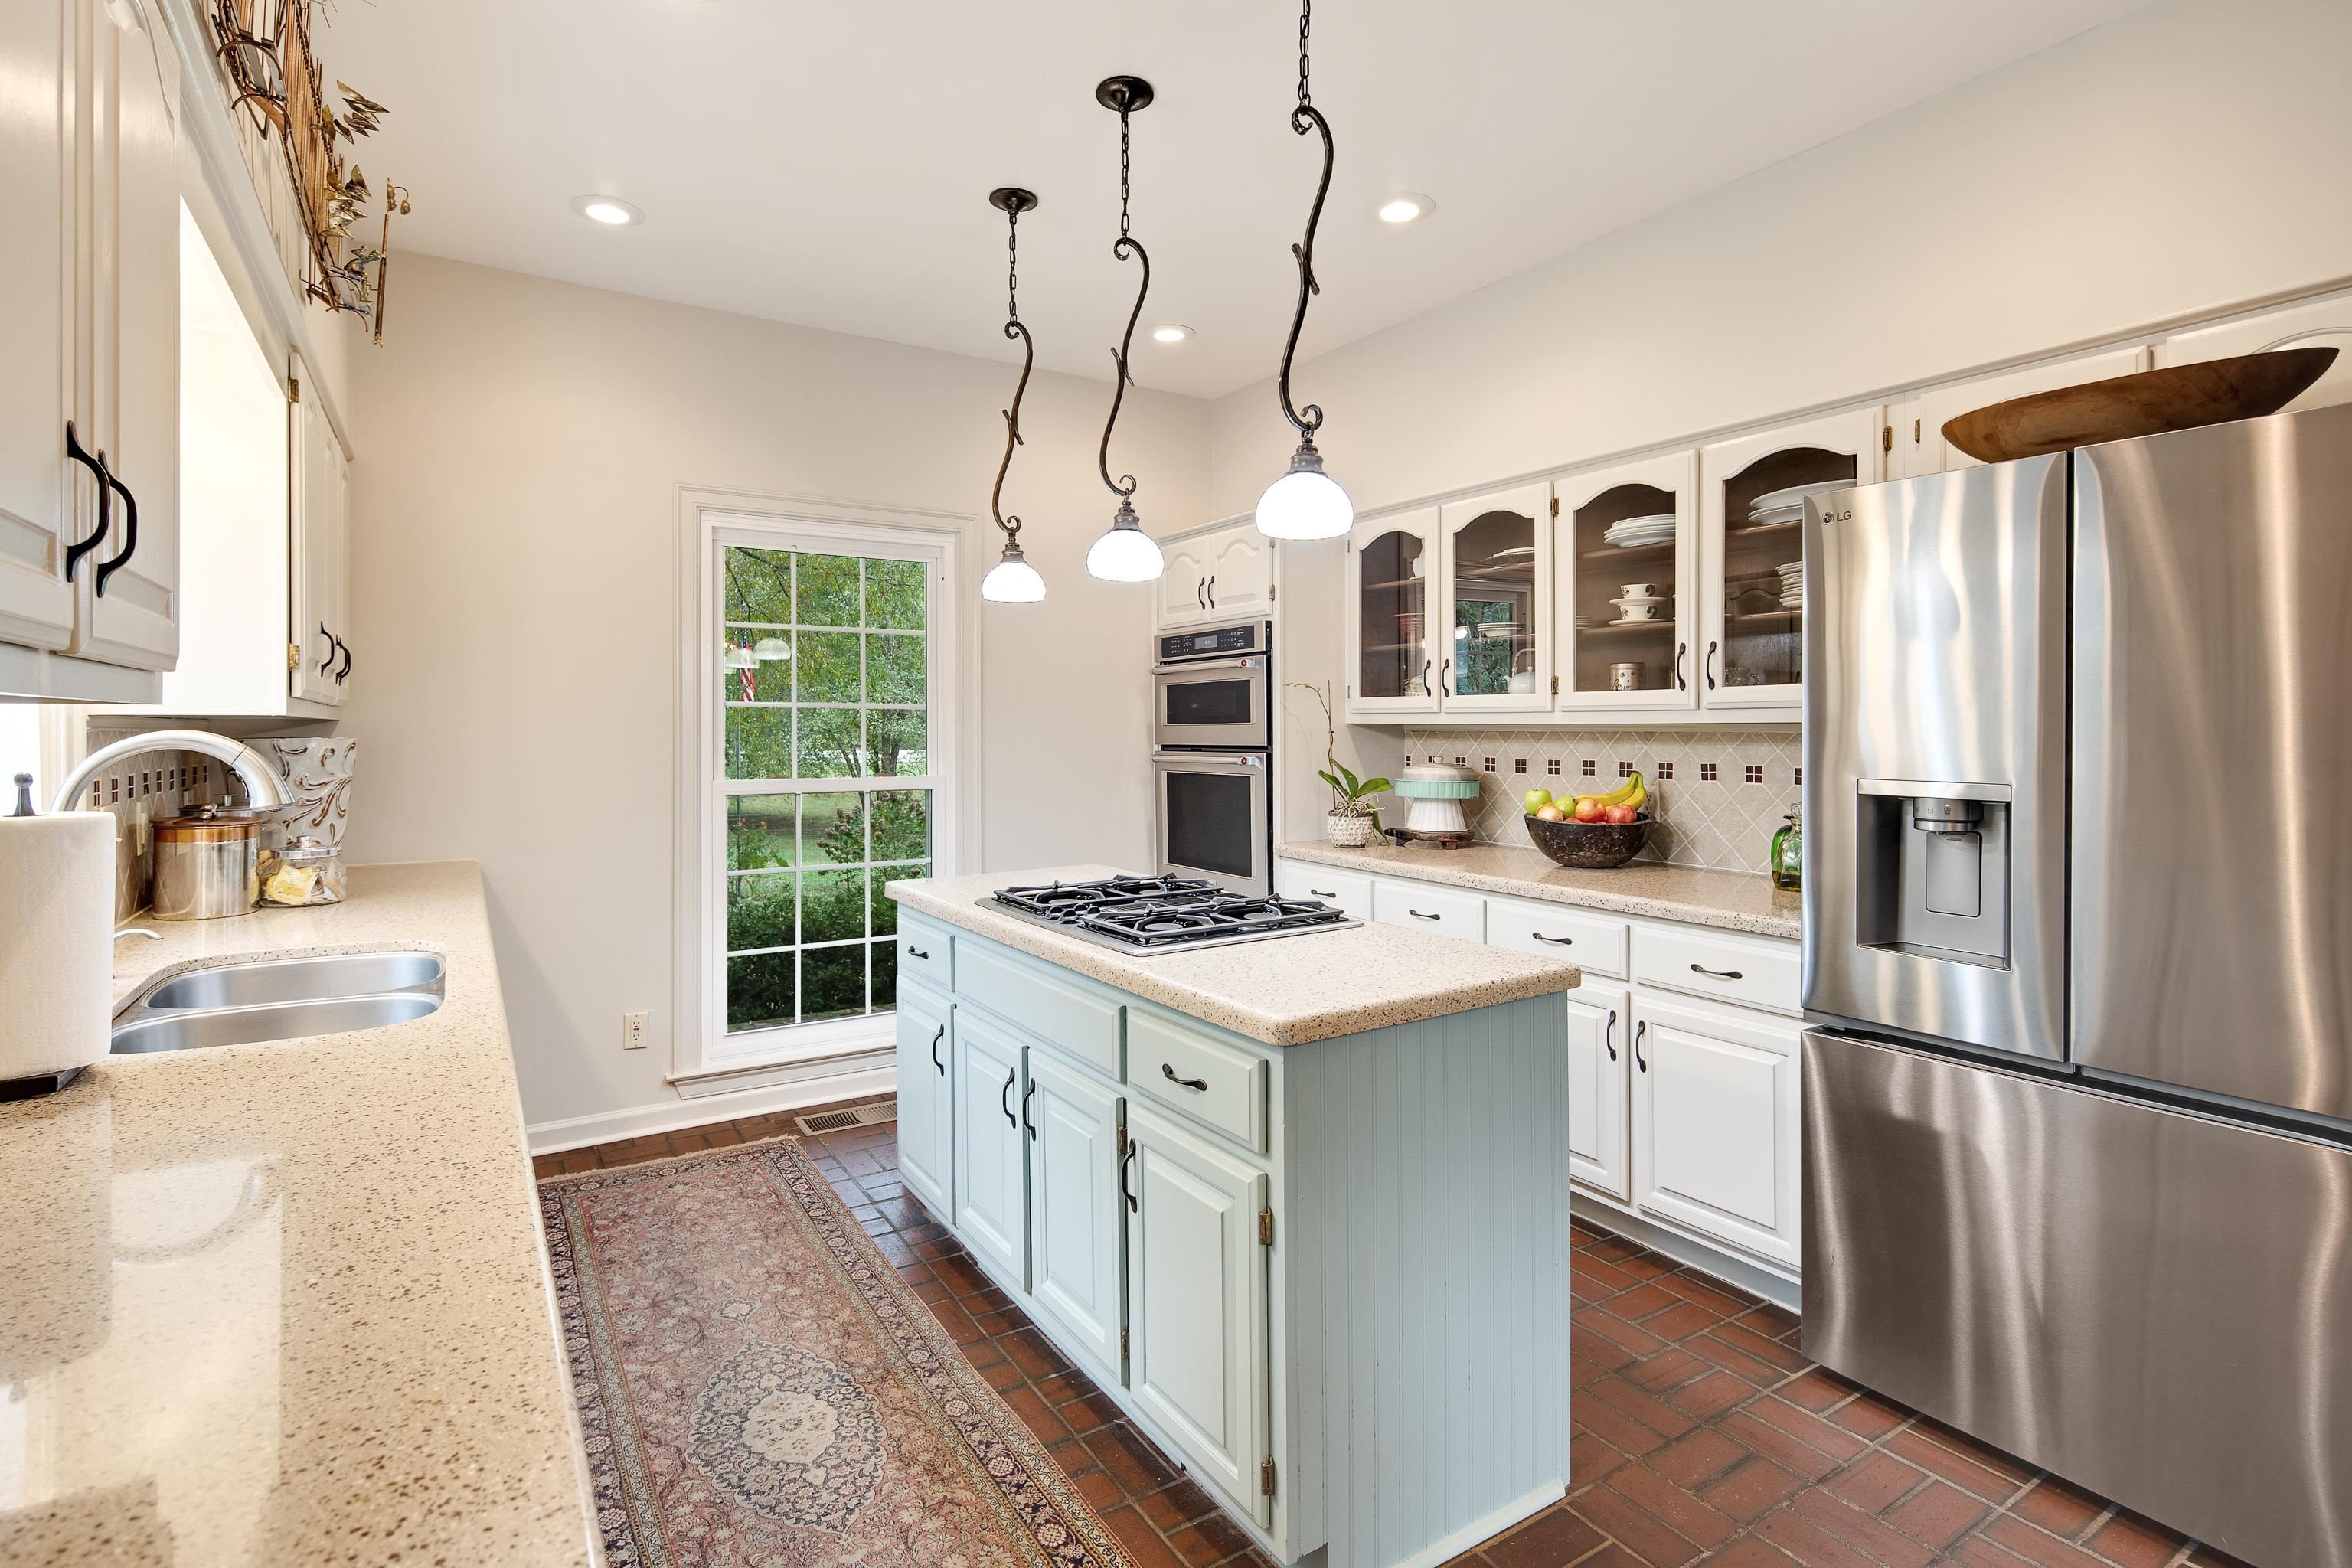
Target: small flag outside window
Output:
[(751, 674)]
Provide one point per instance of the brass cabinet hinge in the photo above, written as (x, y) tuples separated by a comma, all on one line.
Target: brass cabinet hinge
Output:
[(293, 655), (1555, 686), (1890, 438), (1269, 593), (1555, 506), (1123, 1344), (1265, 1225), (1265, 1477), (293, 389)]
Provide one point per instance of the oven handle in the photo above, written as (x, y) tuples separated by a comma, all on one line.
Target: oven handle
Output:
[(1245, 661), (1211, 759)]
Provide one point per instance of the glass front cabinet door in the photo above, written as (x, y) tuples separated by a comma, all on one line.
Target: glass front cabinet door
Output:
[(1626, 555), (1497, 612), (1751, 524), (1392, 569)]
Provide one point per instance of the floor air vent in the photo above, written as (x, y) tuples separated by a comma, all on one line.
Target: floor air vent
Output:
[(856, 1116)]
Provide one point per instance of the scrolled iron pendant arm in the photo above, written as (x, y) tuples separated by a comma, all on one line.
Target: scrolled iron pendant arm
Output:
[(1011, 525), (1303, 119), (1124, 246)]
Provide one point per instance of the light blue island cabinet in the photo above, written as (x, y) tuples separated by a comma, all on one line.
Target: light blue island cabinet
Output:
[(1299, 1206)]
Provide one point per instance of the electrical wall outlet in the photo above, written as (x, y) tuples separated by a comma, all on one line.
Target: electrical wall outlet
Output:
[(633, 1031)]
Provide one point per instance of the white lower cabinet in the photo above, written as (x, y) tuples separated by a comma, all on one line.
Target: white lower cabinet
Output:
[(1075, 1125), (992, 1172), (1599, 1031), (1715, 1123), (926, 1097), (1196, 1288)]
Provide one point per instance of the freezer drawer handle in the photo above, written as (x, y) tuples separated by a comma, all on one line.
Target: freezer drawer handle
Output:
[(1555, 940), (1609, 1035), (1169, 1073), (935, 1050), (1419, 916), (1134, 1202), (1718, 973), (1005, 1098), (1639, 1030)]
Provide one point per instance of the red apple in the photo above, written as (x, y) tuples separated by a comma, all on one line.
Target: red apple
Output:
[(1619, 813), (1589, 808)]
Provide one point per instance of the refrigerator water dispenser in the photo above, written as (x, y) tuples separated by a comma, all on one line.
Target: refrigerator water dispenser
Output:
[(1933, 869)]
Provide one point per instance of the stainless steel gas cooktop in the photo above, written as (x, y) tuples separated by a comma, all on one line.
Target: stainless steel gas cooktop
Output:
[(1164, 914)]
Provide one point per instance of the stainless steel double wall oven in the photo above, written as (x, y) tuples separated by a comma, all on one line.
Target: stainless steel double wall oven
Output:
[(1212, 763)]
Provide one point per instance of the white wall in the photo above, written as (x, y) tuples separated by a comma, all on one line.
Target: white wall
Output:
[(2183, 160), (515, 503)]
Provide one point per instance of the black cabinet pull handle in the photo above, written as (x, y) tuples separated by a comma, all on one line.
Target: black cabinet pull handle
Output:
[(1419, 916), (1718, 973), (1134, 1202), (1555, 940), (1445, 675), (129, 533), (935, 1050), (96, 464), (327, 663), (1201, 591), (346, 668), (1426, 692), (1710, 664), (1213, 590), (1609, 1035), (1026, 1095), (1005, 1098), (1322, 893), (1170, 1074), (1639, 1030), (1681, 649), (914, 952)]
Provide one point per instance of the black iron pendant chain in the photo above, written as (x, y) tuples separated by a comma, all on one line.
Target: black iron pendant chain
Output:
[(1303, 119), (1012, 202), (1124, 94)]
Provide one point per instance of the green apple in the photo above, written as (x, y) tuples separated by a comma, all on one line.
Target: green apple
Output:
[(1535, 800)]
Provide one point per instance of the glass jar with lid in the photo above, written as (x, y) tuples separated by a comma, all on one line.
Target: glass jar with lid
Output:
[(1787, 852), (305, 871)]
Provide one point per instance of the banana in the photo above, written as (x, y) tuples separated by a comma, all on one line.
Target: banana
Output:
[(1632, 793)]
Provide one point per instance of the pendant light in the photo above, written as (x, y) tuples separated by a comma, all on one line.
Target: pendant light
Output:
[(1305, 502), (1124, 554), (1013, 581)]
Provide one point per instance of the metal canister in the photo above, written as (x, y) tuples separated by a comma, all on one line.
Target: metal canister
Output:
[(207, 864)]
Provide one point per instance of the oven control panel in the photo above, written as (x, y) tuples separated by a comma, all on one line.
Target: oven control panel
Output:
[(1214, 642)]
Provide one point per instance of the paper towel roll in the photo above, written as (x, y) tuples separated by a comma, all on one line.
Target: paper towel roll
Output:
[(56, 947)]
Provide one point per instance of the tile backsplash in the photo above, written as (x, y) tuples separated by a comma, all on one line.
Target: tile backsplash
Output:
[(135, 793), (1718, 795)]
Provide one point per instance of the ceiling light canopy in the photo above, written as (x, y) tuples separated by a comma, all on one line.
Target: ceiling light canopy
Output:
[(1405, 207), (610, 211), (1124, 553), (1013, 581), (1171, 333), (1305, 502)]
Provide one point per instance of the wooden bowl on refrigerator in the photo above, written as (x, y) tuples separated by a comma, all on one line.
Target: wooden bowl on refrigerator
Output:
[(2179, 397)]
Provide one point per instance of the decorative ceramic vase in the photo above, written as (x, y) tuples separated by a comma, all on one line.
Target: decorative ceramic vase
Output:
[(1347, 829), (318, 771)]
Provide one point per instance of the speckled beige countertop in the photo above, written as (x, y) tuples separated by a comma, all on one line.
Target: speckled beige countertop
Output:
[(1285, 992), (287, 1303), (1729, 900)]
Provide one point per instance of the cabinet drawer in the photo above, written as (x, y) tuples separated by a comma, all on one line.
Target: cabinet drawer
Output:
[(1295, 879), (1417, 906), (1727, 968), (1081, 1025), (1596, 942), (1203, 1079), (924, 953)]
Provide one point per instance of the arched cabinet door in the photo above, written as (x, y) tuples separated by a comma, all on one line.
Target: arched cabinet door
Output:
[(1495, 626), (2317, 323), (1625, 586), (1393, 645)]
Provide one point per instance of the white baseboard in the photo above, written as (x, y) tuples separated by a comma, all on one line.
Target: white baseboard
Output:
[(1752, 1278), (861, 1078)]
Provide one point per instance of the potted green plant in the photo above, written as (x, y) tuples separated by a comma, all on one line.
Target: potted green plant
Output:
[(1351, 822)]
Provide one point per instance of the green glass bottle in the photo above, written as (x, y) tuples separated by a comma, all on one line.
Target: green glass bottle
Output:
[(1789, 854)]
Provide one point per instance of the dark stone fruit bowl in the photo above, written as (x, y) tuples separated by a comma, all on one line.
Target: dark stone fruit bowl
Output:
[(1590, 846)]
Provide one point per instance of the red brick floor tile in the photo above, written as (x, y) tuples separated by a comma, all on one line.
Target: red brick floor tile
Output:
[(1681, 1320), (2037, 1547), (1652, 1412), (1619, 1332), (1670, 1505), (1774, 1444), (1705, 1398), (1633, 1526), (1668, 1369), (1753, 1489), (1740, 1333), (1937, 1514), (1807, 1427), (1590, 1458), (1750, 1551), (2130, 1541), (1914, 1444), (1869, 1416), (1553, 1537), (1871, 1536), (1612, 1556), (1594, 1277), (1874, 1480), (1173, 1507), (1721, 1300), (1619, 1430), (1819, 1390), (2058, 1508), (1809, 1543), (1697, 1457)]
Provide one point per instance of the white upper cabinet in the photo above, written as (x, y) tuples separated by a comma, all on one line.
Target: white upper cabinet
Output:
[(1925, 432), (1751, 633), (1184, 583), (1224, 574), (1496, 610), (1392, 639), (1626, 552), (2318, 323), (36, 257)]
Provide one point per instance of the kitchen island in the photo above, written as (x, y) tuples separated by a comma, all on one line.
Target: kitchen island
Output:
[(288, 1302), (1299, 1206)]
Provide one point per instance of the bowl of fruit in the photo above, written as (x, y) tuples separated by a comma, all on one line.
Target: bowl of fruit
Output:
[(1591, 831)]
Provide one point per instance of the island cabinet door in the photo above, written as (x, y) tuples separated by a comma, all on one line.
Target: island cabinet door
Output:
[(1078, 1275), (1600, 1032), (1196, 1291), (926, 1098), (992, 1196), (1715, 1123)]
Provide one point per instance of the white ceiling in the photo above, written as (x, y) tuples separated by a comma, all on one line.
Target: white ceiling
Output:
[(828, 163)]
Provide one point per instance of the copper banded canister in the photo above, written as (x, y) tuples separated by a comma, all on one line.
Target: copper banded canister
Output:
[(207, 864)]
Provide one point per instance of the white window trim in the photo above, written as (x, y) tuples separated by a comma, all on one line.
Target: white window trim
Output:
[(702, 1052)]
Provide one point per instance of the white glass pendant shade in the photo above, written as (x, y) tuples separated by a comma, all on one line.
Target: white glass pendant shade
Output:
[(1124, 554), (739, 657), (1307, 502), (1013, 581), (772, 650)]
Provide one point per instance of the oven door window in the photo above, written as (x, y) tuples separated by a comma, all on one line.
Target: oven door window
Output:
[(1208, 820), (1195, 702)]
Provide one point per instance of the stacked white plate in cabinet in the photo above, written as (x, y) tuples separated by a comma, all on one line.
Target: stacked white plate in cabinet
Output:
[(1789, 505), (1792, 585), (1633, 532)]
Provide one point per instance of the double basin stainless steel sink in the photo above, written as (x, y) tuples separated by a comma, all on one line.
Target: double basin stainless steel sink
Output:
[(280, 999)]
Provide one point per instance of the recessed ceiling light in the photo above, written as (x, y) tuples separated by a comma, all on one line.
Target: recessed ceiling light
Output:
[(1171, 333), (610, 211), (1405, 207)]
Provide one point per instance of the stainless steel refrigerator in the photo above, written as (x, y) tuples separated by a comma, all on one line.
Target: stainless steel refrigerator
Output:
[(2078, 965)]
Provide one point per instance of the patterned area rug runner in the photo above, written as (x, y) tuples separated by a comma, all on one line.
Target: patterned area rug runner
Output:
[(759, 1389)]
